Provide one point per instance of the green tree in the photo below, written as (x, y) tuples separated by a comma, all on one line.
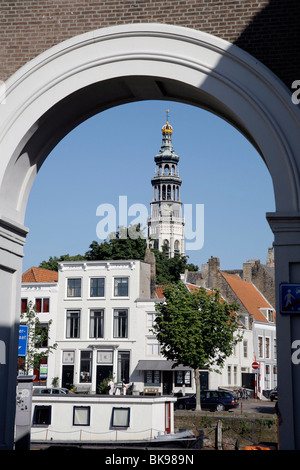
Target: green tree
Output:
[(129, 243), (196, 329), (168, 270), (38, 339), (52, 263)]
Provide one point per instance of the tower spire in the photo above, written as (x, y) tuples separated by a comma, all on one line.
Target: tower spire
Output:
[(166, 225)]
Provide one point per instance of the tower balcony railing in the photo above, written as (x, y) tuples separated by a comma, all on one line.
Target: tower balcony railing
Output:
[(166, 219), (166, 173)]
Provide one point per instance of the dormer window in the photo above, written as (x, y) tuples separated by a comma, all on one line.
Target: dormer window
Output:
[(270, 315)]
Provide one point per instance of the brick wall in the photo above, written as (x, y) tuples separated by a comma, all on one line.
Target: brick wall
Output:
[(265, 28)]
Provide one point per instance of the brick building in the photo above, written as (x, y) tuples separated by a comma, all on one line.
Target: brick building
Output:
[(267, 29)]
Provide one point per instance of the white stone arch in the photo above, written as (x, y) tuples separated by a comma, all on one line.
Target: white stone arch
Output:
[(72, 81)]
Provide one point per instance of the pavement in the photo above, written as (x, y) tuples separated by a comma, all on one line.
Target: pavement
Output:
[(254, 406)]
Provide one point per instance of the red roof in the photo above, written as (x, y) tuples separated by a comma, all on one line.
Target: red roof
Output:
[(34, 274), (159, 290), (249, 295), (193, 287)]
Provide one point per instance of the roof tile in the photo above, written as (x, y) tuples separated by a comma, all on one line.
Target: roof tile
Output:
[(249, 295), (34, 274)]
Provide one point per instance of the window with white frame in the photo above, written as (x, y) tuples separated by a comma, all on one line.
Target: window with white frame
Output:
[(73, 324), (234, 375), (74, 287), (121, 286), (260, 346), (183, 377), (152, 347), (270, 315), (229, 375), (267, 347), (97, 285), (97, 323), (24, 303), (120, 329), (245, 348), (275, 375), (267, 376), (85, 366), (150, 319), (42, 305), (123, 366)]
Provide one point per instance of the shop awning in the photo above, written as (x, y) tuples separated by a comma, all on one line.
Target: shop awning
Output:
[(159, 365)]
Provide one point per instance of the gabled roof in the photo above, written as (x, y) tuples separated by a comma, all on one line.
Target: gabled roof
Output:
[(34, 274), (249, 295)]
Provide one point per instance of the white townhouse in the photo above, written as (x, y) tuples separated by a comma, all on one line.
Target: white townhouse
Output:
[(40, 289), (262, 321), (104, 318), (237, 366), (100, 331)]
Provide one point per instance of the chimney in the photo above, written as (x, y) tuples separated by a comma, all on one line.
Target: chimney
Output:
[(270, 258), (213, 271), (150, 259)]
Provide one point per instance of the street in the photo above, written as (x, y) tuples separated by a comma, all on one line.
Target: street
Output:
[(253, 405)]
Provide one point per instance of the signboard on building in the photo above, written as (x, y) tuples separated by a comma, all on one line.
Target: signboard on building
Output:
[(23, 339), (290, 298)]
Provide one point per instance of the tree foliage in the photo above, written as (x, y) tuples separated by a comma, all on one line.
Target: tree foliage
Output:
[(129, 243), (196, 329), (52, 263)]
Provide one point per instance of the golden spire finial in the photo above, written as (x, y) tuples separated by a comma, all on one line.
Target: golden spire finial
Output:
[(167, 128)]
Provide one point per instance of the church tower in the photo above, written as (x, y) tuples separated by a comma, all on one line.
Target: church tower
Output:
[(166, 224)]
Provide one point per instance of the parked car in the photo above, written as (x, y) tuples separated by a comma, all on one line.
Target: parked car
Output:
[(51, 391), (273, 394), (217, 400)]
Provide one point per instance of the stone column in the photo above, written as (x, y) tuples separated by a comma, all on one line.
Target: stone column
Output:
[(286, 229), (12, 239)]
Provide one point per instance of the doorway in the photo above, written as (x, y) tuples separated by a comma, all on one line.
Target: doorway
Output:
[(167, 382), (67, 376), (103, 372)]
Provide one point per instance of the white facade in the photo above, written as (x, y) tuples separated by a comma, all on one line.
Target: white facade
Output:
[(266, 355), (45, 295), (102, 317), (103, 328), (236, 365)]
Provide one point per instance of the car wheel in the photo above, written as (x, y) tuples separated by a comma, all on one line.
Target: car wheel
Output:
[(220, 407), (181, 406)]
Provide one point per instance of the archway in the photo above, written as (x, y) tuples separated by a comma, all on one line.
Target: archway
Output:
[(87, 74)]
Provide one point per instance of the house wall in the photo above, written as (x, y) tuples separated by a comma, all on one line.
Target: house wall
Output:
[(134, 343), (266, 332), (32, 291)]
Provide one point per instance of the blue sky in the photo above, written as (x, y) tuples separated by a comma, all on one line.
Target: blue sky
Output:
[(112, 155)]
